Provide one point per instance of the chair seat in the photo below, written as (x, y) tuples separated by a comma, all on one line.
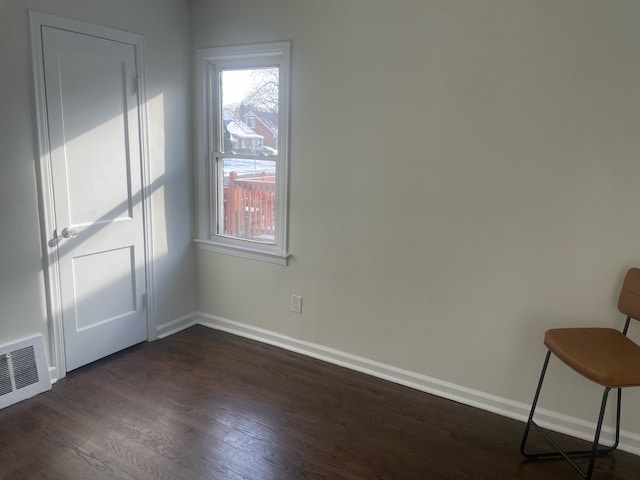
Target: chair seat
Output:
[(603, 355)]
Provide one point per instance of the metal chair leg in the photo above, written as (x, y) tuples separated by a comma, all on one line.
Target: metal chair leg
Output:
[(596, 439), (533, 406), (596, 448)]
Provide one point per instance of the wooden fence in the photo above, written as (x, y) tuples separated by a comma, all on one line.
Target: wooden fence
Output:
[(249, 207)]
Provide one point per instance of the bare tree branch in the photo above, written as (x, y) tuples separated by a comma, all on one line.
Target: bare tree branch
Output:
[(264, 95)]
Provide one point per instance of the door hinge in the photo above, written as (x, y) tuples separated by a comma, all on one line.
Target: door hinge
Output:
[(145, 301), (136, 82)]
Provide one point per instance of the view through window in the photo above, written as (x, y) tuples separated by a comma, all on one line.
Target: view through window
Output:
[(250, 102)]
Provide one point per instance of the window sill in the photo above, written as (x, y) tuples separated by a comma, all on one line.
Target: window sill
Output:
[(243, 252)]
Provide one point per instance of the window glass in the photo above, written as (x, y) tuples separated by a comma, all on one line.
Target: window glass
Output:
[(249, 199), (247, 186)]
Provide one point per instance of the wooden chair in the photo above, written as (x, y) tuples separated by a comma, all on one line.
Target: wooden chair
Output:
[(604, 356)]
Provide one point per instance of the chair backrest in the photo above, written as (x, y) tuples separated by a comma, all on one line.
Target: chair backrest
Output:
[(629, 301)]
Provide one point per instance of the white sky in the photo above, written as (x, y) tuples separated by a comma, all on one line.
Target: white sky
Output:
[(235, 85)]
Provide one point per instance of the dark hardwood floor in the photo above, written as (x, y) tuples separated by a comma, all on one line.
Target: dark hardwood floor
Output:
[(203, 404)]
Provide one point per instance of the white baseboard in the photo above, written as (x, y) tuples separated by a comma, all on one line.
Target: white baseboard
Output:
[(174, 326), (629, 441)]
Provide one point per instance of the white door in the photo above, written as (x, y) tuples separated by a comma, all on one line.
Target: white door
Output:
[(93, 118)]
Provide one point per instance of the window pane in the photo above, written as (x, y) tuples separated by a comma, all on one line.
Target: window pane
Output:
[(250, 110), (249, 199)]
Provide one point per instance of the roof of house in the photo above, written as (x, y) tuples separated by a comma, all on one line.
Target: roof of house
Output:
[(237, 128), (269, 119)]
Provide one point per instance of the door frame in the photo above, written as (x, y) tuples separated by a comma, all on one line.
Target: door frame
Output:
[(45, 180)]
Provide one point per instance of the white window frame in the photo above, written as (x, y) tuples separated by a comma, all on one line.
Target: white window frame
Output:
[(208, 62)]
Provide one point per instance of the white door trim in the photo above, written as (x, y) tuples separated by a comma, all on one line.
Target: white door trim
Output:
[(45, 180)]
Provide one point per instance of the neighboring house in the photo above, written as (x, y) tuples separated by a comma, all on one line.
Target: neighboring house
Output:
[(265, 124), (239, 137)]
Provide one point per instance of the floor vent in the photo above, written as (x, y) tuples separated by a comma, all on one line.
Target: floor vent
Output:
[(24, 371)]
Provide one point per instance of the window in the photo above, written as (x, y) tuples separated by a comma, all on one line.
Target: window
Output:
[(242, 169)]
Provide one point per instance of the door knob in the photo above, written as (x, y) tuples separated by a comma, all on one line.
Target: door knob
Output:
[(68, 233)]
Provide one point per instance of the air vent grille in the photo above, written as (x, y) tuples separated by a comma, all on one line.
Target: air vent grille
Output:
[(23, 370), (5, 379)]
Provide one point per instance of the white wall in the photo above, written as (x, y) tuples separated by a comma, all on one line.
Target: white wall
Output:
[(464, 175), (165, 27)]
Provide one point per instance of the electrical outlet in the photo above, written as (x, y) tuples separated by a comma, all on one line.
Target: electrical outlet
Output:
[(296, 303)]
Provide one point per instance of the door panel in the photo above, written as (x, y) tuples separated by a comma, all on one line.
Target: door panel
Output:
[(93, 117), (101, 176), (107, 279)]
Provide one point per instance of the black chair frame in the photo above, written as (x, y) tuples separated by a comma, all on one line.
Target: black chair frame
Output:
[(558, 452)]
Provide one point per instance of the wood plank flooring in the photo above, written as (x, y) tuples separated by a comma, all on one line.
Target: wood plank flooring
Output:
[(203, 404)]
